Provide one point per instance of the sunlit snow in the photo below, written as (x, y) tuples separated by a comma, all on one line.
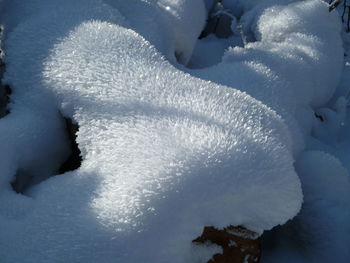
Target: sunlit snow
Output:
[(176, 133)]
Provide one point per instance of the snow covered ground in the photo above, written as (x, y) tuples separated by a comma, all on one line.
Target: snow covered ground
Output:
[(176, 133)]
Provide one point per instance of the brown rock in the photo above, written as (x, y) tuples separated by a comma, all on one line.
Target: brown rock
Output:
[(239, 244)]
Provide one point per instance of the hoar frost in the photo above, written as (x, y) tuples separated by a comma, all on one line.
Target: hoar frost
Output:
[(164, 153)]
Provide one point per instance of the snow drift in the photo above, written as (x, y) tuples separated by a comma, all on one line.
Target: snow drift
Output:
[(164, 153), (292, 64)]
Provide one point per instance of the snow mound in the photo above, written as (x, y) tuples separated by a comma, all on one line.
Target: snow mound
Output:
[(293, 64), (164, 153), (167, 141), (172, 26), (308, 34), (169, 128)]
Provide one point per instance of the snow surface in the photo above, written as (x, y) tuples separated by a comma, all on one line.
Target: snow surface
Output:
[(320, 233), (164, 153), (282, 67), (165, 23)]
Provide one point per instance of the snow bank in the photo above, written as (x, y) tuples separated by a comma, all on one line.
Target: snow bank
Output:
[(328, 201), (164, 153), (183, 127), (293, 65), (33, 135), (320, 232), (172, 26), (308, 34)]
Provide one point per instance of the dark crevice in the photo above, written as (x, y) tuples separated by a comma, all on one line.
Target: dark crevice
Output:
[(74, 160), (333, 4), (319, 117), (22, 181), (218, 22), (25, 179), (5, 90)]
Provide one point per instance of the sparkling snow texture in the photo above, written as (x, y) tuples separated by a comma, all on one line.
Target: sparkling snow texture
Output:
[(164, 153)]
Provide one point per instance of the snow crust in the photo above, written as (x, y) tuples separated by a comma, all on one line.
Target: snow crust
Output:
[(164, 153)]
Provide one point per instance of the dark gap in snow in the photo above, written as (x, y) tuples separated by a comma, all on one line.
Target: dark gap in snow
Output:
[(221, 32), (319, 117), (218, 22), (5, 90), (22, 181), (178, 56), (333, 4), (74, 160), (25, 179)]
